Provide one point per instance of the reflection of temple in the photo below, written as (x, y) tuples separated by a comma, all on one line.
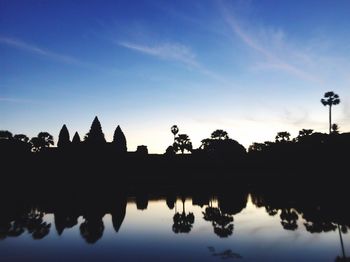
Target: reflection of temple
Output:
[(317, 214)]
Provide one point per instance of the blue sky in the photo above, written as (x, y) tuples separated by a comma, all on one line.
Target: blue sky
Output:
[(252, 68)]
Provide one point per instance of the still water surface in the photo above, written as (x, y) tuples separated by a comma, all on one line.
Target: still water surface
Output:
[(184, 230)]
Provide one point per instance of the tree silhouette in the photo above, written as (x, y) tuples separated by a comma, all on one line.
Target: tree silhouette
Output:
[(335, 129), (174, 130), (22, 138), (119, 140), (219, 134), (330, 99), (76, 139), (182, 143), (63, 137), (282, 137), (43, 140), (305, 132), (4, 134), (256, 147), (221, 222), (95, 135)]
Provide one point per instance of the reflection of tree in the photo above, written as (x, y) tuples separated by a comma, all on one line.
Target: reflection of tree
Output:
[(92, 228), (35, 224), (222, 223), (30, 220), (183, 223), (289, 219), (64, 220), (319, 226)]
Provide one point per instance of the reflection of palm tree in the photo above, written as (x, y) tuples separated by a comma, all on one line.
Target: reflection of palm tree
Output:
[(330, 99), (183, 223), (344, 258)]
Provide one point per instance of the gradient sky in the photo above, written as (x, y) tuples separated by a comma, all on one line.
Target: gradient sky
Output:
[(252, 68)]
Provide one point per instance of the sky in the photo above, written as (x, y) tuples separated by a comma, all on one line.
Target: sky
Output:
[(252, 68)]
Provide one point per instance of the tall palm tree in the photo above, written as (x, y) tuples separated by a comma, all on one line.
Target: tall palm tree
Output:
[(330, 99)]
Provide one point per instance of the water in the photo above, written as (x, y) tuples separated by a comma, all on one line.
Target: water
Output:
[(238, 231)]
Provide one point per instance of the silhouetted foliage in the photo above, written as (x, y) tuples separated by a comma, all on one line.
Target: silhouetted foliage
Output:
[(119, 140), (43, 140), (63, 137), (222, 147), (21, 138), (289, 219), (257, 147), (170, 151), (4, 134), (95, 135), (330, 99), (282, 137), (335, 129), (182, 143), (219, 134)]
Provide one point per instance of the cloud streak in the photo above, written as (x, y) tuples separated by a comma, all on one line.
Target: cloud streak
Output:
[(18, 44), (15, 100), (167, 51), (173, 52), (272, 60)]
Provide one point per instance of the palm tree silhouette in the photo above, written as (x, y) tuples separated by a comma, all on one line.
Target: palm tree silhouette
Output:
[(174, 130), (330, 99)]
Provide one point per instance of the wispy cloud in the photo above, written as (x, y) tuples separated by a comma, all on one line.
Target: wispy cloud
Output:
[(15, 43), (15, 100), (167, 51), (173, 52), (271, 38)]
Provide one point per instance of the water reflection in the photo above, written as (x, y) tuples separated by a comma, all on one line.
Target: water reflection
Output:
[(182, 212)]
